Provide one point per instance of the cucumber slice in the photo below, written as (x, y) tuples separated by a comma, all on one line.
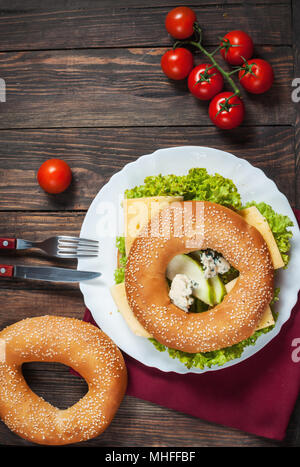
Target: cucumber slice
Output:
[(216, 282), (183, 264), (219, 289), (200, 306)]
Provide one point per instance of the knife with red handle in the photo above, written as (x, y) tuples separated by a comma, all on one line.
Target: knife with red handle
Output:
[(46, 273)]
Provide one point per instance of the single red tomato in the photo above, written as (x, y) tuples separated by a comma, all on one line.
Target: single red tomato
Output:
[(257, 76), (54, 176), (205, 82), (226, 112), (180, 22), (177, 63), (237, 46)]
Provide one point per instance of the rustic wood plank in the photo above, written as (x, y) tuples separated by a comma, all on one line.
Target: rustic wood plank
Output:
[(96, 154), (29, 303), (122, 87), (156, 426), (64, 25), (15, 7), (137, 423), (37, 226)]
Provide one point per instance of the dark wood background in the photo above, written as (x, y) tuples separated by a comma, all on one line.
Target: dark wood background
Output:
[(84, 84)]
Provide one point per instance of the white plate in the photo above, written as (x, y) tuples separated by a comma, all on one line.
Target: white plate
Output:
[(104, 221)]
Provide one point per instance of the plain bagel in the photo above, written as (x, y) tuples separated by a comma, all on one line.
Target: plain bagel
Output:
[(207, 225), (72, 342)]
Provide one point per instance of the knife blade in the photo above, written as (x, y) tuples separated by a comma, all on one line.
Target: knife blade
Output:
[(46, 273)]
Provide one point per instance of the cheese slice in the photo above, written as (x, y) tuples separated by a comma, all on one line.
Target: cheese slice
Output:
[(257, 220), (267, 318), (118, 293), (138, 211)]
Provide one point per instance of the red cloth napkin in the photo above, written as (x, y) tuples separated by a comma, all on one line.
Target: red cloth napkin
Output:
[(256, 396)]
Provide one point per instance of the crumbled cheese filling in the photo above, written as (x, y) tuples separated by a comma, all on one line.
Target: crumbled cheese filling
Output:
[(213, 264), (181, 291)]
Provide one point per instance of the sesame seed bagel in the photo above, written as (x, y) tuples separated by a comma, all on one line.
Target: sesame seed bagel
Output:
[(74, 343), (189, 226)]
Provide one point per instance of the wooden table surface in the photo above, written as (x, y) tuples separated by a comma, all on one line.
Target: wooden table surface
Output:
[(84, 83)]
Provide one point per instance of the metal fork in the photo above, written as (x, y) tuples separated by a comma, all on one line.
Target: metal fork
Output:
[(61, 246)]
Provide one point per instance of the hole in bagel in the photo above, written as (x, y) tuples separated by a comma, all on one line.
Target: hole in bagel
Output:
[(196, 280), (55, 383)]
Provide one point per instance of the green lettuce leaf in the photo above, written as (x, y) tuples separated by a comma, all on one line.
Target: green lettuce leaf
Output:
[(119, 275), (120, 271), (208, 359), (197, 185)]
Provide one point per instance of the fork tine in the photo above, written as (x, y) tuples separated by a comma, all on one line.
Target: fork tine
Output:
[(75, 247), (75, 255), (84, 243), (87, 250), (62, 239), (88, 240), (65, 249), (78, 253)]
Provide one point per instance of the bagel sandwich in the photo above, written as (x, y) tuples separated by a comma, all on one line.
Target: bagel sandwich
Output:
[(214, 275)]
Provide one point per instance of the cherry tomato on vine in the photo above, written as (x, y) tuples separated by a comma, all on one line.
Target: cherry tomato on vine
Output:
[(205, 81), (54, 176), (180, 21), (226, 111), (177, 63), (256, 76), (237, 46)]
